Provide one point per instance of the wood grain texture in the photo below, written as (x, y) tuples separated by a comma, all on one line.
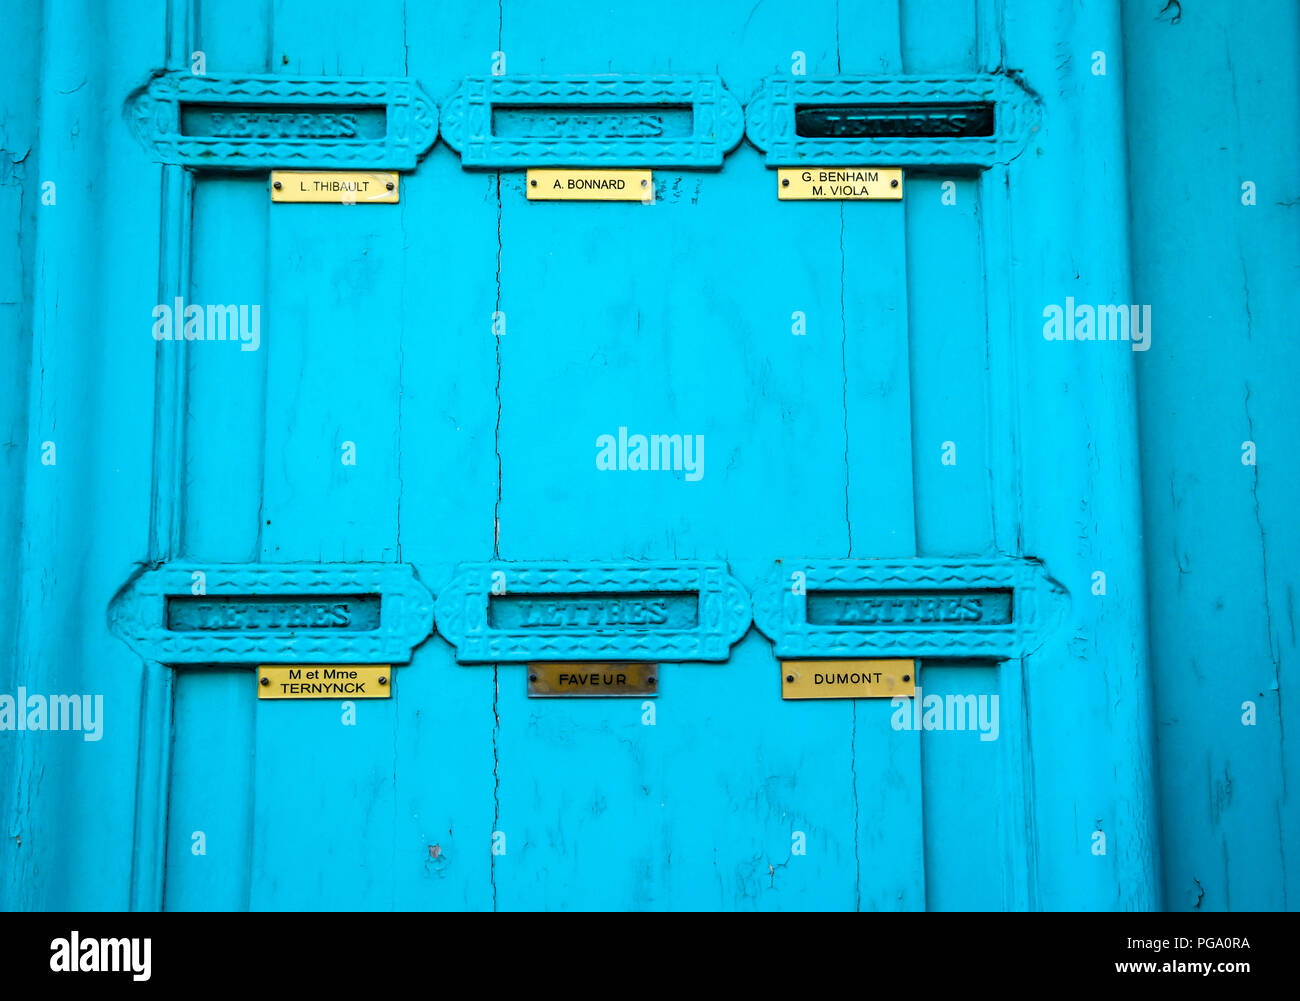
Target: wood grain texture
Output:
[(1221, 548)]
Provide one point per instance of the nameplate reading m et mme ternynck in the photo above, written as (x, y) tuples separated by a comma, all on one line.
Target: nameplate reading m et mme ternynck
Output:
[(324, 681), (341, 187), (839, 184), (552, 184)]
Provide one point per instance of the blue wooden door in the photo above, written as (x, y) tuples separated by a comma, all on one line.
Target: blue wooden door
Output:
[(873, 431)]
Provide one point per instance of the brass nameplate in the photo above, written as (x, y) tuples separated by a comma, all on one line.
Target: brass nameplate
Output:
[(847, 679), (593, 680), (342, 187), (838, 184), (324, 681), (548, 184)]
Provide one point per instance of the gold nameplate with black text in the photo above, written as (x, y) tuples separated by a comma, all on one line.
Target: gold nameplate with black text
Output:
[(847, 679), (593, 680), (838, 184), (324, 681), (550, 184), (340, 187)]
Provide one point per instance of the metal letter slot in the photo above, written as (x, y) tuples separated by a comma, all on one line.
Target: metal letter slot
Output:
[(893, 120), (535, 612), (240, 121), (268, 613), (907, 608), (604, 120), (901, 121)]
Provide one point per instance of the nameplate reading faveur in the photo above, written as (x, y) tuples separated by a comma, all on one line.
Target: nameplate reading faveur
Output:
[(597, 679), (847, 679), (838, 184), (341, 187), (324, 681), (548, 184)]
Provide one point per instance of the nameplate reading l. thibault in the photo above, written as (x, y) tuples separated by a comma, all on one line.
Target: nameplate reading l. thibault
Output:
[(344, 187)]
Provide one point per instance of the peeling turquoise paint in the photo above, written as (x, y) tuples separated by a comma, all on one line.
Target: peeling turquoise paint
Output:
[(1221, 552)]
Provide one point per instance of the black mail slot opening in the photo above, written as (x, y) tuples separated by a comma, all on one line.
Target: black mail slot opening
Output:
[(349, 613), (592, 121), (909, 609), (908, 120), (283, 121), (596, 611)]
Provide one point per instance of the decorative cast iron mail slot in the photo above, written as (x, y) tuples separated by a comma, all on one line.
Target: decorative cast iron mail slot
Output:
[(264, 613), (241, 122), (903, 121), (514, 612), (608, 120), (909, 608)]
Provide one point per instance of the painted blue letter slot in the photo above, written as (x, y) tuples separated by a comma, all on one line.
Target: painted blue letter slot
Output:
[(247, 122), (515, 612), (606, 120), (348, 613), (907, 608), (902, 121)]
